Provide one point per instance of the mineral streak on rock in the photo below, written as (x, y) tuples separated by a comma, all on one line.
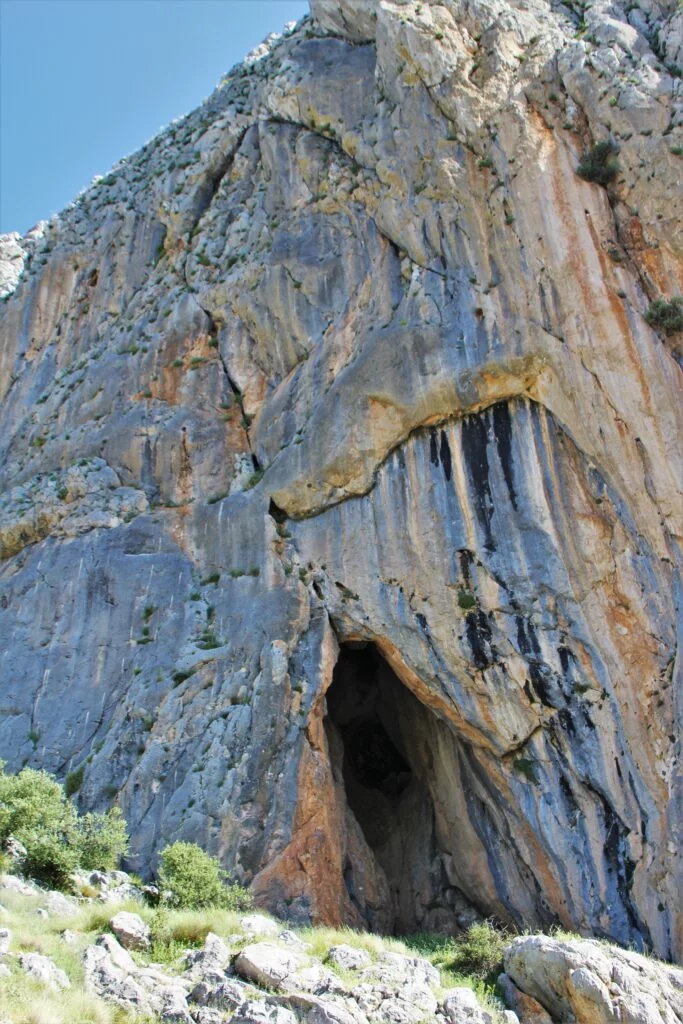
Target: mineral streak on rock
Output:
[(341, 475)]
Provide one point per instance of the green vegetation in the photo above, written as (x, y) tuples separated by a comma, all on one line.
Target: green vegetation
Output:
[(666, 316), (255, 477), (599, 164), (190, 879), (526, 767), (35, 809), (466, 600), (73, 781), (477, 955)]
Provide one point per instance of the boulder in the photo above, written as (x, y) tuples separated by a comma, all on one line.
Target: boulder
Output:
[(59, 905), (221, 994), (528, 1009), (107, 979), (269, 965), (131, 931), (18, 885), (5, 940), (43, 969), (214, 956), (256, 1011), (171, 1005), (461, 1006), (259, 924), (349, 958), (594, 983)]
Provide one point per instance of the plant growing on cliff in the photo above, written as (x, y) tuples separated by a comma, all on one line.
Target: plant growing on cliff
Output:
[(191, 879), (35, 809), (599, 164), (666, 316)]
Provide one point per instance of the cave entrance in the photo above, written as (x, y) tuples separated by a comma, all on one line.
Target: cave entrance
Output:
[(396, 862)]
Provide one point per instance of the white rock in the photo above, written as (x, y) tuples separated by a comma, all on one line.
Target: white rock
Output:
[(213, 956), (60, 905), (43, 969), (259, 924), (259, 1012), (348, 957), (5, 939), (461, 1006), (130, 930), (269, 965), (15, 884)]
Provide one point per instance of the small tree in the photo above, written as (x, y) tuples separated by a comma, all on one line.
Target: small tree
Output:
[(35, 810), (191, 879), (102, 840), (600, 163)]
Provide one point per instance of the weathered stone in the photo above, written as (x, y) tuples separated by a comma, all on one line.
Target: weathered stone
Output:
[(104, 977), (259, 924), (5, 940), (214, 956), (219, 993), (60, 905), (205, 1015), (594, 983), (348, 957), (17, 885), (131, 931), (461, 1006), (528, 1009), (353, 356), (255, 1011), (43, 969), (269, 965), (172, 1007)]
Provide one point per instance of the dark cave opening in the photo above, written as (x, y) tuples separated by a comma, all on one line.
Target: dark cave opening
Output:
[(397, 876)]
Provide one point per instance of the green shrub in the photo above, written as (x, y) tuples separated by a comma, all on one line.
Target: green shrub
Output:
[(35, 809), (102, 840), (600, 163), (73, 781), (479, 954), (191, 879), (666, 316)]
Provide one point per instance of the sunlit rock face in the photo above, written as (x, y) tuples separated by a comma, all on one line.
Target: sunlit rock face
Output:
[(342, 388)]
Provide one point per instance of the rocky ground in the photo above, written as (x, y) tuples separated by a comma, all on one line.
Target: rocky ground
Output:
[(107, 957)]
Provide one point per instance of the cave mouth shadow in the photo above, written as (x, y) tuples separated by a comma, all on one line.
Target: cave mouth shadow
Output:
[(397, 876)]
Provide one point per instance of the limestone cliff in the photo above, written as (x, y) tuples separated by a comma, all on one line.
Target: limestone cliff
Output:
[(341, 473)]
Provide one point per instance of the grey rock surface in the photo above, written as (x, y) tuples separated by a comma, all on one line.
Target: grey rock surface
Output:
[(342, 385), (593, 983)]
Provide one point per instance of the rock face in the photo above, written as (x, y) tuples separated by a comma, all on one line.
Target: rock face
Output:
[(341, 486)]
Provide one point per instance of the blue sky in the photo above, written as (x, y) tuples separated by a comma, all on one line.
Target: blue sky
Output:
[(84, 82)]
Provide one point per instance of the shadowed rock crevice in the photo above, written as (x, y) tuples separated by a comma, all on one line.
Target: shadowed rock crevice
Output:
[(378, 740)]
